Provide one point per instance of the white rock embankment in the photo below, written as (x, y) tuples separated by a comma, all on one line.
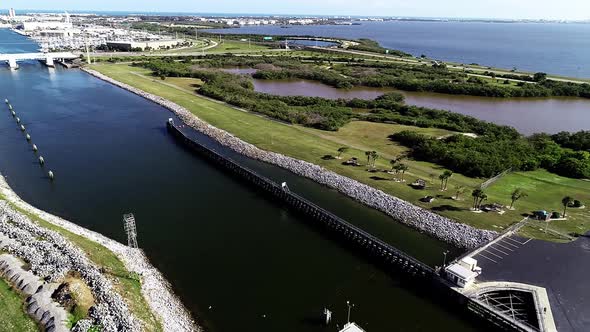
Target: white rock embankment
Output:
[(51, 256), (445, 229)]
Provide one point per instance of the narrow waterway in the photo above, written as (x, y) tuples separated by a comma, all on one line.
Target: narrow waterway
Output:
[(527, 115), (237, 260)]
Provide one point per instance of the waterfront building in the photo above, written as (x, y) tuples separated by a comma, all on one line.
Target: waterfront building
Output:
[(152, 44)]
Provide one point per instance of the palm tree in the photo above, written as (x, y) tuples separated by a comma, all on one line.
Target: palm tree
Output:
[(393, 162), (459, 190), (442, 181), (476, 194), (403, 168), (341, 151), (448, 175), (516, 195), (374, 157), (566, 201), (482, 197)]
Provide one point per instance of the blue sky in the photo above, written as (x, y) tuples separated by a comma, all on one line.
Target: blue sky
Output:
[(550, 9)]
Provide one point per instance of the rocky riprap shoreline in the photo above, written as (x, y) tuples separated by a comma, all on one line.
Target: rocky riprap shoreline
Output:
[(460, 235), (51, 256)]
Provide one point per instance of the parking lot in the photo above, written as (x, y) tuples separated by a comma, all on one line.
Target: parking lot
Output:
[(499, 250)]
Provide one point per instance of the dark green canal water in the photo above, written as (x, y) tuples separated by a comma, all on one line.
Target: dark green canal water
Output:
[(237, 260)]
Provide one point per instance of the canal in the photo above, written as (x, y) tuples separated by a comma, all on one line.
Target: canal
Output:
[(237, 260)]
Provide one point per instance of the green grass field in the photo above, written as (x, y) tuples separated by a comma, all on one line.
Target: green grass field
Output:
[(12, 312), (312, 145)]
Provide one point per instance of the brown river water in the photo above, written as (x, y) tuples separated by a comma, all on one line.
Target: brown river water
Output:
[(527, 115)]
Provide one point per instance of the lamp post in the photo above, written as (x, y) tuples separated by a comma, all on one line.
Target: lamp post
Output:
[(445, 258), (350, 305)]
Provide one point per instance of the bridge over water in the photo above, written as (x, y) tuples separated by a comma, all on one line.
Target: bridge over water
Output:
[(48, 58)]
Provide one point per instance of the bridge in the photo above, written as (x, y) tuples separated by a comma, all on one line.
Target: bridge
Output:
[(13, 59)]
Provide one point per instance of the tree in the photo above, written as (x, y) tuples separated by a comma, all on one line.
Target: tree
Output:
[(444, 179), (368, 154), (374, 157), (341, 151), (459, 190), (516, 195), (475, 194), (478, 197), (403, 168), (539, 77), (393, 163), (566, 201)]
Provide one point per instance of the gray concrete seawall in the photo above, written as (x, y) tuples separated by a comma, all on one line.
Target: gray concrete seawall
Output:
[(154, 287), (442, 228)]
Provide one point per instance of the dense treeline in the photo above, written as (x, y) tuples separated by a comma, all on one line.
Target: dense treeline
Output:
[(424, 78), (319, 112), (579, 141), (495, 149), (486, 156), (368, 45)]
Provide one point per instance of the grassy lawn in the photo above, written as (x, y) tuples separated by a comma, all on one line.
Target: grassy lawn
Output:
[(127, 284), (12, 313), (312, 145), (234, 46), (545, 191)]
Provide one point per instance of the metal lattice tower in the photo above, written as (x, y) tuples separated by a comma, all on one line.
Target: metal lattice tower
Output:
[(131, 230)]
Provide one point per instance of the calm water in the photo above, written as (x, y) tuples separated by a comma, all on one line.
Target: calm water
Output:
[(217, 242), (528, 115), (561, 49)]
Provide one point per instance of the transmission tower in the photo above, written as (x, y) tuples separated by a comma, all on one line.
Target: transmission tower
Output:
[(131, 230)]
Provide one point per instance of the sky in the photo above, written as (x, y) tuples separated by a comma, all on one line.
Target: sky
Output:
[(505, 9)]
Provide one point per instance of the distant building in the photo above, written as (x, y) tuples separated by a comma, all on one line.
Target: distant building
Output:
[(32, 26), (11, 13), (143, 45)]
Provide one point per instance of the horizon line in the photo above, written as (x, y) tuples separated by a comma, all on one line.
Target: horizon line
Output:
[(130, 12)]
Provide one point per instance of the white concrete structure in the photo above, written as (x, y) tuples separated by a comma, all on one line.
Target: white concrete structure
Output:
[(351, 327), (32, 26), (13, 59), (464, 272)]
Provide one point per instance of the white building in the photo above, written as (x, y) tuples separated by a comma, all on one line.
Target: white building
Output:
[(351, 327), (152, 44), (32, 26), (464, 272)]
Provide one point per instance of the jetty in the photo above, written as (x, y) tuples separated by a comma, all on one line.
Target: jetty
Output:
[(389, 258)]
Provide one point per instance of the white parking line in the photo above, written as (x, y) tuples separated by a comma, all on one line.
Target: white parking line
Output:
[(527, 241), (513, 240), (498, 250), (484, 256), (508, 243), (491, 253), (506, 248)]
